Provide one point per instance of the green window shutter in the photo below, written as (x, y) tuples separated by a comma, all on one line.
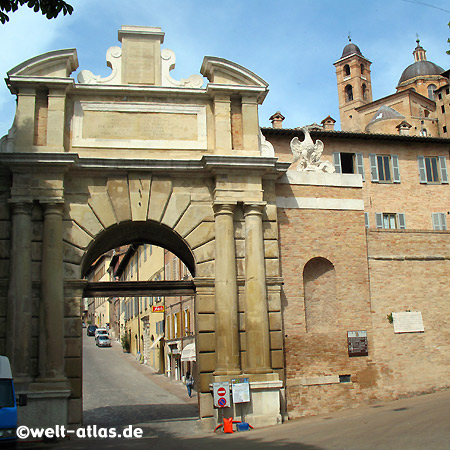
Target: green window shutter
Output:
[(422, 173), (395, 168), (379, 220), (360, 164), (401, 221), (337, 162), (443, 167), (373, 168)]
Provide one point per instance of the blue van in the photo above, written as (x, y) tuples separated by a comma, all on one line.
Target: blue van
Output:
[(8, 405)]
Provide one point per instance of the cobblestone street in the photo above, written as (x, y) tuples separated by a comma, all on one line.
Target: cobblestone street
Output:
[(118, 391)]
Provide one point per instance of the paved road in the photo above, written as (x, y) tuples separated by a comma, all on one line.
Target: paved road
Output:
[(121, 392), (117, 392)]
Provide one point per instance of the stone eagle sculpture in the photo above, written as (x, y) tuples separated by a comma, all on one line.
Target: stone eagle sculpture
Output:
[(308, 154)]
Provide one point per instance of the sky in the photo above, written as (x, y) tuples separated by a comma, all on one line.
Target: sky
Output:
[(291, 44)]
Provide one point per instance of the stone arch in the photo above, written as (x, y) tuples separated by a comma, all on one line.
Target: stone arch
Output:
[(319, 281), (133, 209)]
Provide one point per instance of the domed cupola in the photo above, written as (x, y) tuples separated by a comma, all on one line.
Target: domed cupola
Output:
[(420, 69), (351, 49)]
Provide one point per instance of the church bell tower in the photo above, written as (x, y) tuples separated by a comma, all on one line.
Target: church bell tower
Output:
[(354, 85)]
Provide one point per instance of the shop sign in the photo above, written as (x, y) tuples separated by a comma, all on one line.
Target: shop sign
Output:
[(158, 308)]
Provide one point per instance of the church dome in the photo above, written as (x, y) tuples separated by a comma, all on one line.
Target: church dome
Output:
[(350, 49), (420, 68)]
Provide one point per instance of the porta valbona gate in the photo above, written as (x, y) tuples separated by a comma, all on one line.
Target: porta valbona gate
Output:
[(138, 157)]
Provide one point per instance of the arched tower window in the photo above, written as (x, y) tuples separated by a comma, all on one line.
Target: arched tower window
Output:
[(364, 91), (348, 93), (362, 69), (321, 306), (346, 70), (431, 89)]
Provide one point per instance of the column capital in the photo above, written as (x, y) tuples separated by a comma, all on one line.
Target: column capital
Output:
[(52, 206), (221, 208), (21, 206), (254, 208)]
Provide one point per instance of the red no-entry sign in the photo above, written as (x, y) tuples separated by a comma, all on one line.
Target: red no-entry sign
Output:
[(221, 393)]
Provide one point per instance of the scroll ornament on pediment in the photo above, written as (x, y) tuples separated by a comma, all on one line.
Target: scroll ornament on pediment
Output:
[(308, 154)]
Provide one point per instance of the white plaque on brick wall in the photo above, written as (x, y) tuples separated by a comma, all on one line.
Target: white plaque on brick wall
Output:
[(408, 322)]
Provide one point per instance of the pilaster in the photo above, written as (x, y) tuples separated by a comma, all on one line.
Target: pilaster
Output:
[(24, 120), (55, 121), (222, 117)]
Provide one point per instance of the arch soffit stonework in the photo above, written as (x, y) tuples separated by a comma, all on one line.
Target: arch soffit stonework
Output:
[(137, 210)]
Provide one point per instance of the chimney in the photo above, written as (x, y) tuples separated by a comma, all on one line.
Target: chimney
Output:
[(328, 123), (277, 120)]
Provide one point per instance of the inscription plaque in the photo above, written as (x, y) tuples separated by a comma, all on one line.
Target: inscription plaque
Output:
[(408, 322), (357, 343)]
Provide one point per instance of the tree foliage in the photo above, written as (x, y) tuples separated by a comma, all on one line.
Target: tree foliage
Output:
[(448, 40), (48, 8)]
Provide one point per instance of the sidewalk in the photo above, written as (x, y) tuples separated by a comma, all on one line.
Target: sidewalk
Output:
[(176, 388)]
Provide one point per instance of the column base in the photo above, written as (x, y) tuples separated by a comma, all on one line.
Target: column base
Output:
[(47, 405), (225, 372), (259, 370)]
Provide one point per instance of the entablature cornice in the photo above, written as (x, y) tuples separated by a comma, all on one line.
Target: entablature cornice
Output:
[(19, 82)]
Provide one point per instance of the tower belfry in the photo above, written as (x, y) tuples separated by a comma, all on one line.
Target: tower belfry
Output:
[(354, 84)]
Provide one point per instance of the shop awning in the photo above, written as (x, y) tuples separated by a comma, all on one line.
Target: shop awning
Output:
[(188, 353)]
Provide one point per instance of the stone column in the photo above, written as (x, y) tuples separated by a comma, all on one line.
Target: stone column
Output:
[(226, 293), (256, 315), (51, 315), (19, 312)]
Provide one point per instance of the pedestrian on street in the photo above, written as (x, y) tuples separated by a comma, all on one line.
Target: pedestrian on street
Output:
[(189, 383)]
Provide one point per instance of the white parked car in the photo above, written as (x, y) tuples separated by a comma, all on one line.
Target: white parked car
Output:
[(103, 340), (100, 332)]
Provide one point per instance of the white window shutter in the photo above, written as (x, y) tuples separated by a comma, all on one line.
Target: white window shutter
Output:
[(436, 221), (360, 164), (366, 219), (401, 221), (395, 168), (443, 221), (443, 166), (373, 167), (379, 220), (337, 162), (422, 173)]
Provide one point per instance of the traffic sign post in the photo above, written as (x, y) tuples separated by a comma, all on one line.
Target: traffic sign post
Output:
[(221, 393)]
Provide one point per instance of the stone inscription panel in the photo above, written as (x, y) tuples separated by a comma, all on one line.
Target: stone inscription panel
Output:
[(408, 322), (139, 125)]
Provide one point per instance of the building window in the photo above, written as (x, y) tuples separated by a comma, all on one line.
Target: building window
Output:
[(145, 252), (346, 70), (440, 96), (349, 163), (431, 89), (384, 168), (348, 93), (443, 109), (364, 91), (444, 129), (447, 91), (390, 221), (439, 221), (362, 69), (432, 169)]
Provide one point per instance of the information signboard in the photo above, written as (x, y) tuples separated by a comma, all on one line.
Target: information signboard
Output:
[(221, 393), (240, 388), (357, 343)]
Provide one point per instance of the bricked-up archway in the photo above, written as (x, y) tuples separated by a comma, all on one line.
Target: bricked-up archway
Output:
[(139, 157)]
